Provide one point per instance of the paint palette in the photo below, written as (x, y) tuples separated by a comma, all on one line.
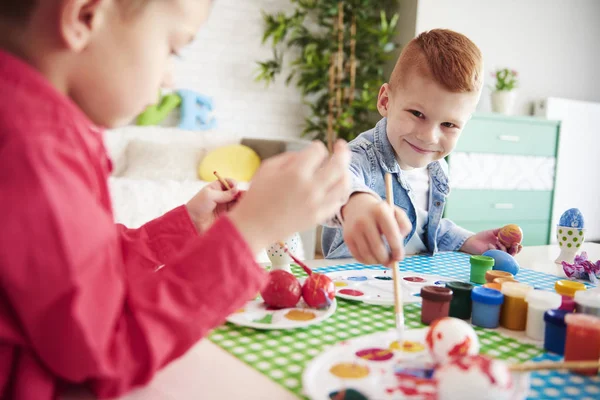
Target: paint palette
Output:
[(377, 367), (258, 316), (376, 286)]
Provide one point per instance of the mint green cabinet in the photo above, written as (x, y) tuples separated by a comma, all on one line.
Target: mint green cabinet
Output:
[(502, 171)]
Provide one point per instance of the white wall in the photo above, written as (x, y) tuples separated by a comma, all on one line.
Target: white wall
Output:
[(553, 44), (221, 63)]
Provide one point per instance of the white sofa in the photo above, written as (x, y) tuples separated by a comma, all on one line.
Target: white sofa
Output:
[(154, 170)]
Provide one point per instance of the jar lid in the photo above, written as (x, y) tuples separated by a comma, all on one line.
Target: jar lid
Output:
[(495, 273), (567, 287), (543, 299), (588, 298), (482, 261), (500, 281), (493, 285), (487, 296), (515, 289), (459, 287), (556, 317), (436, 293), (583, 321)]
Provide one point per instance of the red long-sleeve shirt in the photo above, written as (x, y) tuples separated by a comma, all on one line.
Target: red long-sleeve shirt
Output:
[(80, 301)]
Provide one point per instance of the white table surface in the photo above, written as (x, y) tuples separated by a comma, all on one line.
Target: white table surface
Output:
[(207, 372)]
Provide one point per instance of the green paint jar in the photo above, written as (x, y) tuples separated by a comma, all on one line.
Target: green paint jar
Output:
[(460, 305), (479, 266)]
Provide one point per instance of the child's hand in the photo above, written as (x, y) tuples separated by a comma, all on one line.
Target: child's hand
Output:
[(488, 240), (210, 202), (293, 192), (367, 221)]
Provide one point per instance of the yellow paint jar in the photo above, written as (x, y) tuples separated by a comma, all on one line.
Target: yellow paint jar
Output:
[(514, 309), (566, 287)]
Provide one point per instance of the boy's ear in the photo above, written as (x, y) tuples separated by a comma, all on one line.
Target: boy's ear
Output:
[(78, 20), (383, 100)]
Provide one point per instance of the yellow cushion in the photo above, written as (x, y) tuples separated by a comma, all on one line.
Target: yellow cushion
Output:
[(236, 161)]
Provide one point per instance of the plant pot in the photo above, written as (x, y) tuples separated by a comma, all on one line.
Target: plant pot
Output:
[(503, 101)]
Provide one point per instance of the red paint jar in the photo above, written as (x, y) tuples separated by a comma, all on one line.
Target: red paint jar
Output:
[(436, 303), (583, 340)]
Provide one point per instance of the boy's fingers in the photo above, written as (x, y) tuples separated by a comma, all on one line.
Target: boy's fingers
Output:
[(390, 229), (375, 242), (224, 196), (312, 157), (403, 221), (363, 250)]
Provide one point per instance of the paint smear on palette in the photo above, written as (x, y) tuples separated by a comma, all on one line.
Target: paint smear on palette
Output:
[(351, 292), (384, 278), (349, 371), (375, 354), (358, 278), (347, 394), (300, 315), (440, 283), (408, 346), (241, 311), (340, 284), (414, 279), (267, 319)]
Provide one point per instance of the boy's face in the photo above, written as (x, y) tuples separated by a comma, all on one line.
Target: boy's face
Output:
[(424, 120), (128, 56)]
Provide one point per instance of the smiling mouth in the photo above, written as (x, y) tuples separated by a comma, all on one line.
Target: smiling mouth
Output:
[(419, 150)]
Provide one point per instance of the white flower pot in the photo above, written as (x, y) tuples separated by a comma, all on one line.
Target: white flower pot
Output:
[(503, 101)]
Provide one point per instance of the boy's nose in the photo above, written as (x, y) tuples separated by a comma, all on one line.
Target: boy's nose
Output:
[(428, 134)]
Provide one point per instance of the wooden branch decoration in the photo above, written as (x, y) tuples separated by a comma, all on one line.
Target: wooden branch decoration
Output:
[(340, 60), (352, 61)]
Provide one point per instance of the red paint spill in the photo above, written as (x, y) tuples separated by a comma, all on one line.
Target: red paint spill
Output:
[(375, 354), (414, 279), (429, 336), (351, 292)]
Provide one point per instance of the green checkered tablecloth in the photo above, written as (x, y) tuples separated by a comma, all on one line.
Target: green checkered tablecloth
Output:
[(283, 355)]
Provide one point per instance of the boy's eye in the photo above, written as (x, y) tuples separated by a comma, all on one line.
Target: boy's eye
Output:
[(448, 125), (416, 113)]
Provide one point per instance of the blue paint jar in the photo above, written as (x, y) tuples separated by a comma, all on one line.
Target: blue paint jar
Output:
[(486, 307), (556, 331)]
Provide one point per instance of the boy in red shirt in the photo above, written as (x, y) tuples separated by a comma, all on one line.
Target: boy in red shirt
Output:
[(81, 300)]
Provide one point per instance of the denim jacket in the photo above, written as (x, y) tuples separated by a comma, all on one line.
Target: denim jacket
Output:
[(373, 156)]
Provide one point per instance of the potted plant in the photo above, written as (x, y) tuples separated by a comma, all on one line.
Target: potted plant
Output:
[(339, 51), (503, 92)]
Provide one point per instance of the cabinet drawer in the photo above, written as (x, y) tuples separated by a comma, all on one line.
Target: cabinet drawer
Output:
[(534, 233), (499, 205), (509, 136)]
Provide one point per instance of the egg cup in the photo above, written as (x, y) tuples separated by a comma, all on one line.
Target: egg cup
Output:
[(570, 241)]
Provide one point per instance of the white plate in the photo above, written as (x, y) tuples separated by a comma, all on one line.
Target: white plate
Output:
[(376, 286), (256, 315), (375, 379)]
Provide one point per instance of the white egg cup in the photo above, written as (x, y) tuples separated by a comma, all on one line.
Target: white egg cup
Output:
[(279, 258), (570, 241)]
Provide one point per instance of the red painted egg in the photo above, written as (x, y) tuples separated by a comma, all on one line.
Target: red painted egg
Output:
[(510, 234), (282, 291), (318, 290)]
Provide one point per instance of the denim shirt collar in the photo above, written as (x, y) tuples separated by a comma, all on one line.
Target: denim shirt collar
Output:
[(388, 161)]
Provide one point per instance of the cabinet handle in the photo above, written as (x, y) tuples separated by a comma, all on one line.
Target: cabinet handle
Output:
[(504, 206), (509, 138)]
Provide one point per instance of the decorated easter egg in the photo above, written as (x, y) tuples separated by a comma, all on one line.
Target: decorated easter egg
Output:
[(503, 261), (510, 234), (474, 378), (572, 218), (449, 338), (318, 290), (282, 290)]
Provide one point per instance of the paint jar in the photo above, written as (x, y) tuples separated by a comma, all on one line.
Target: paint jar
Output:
[(479, 266), (494, 273), (500, 281), (436, 303), (514, 309), (460, 305), (587, 302), (538, 302), (568, 303), (556, 331), (583, 340), (486, 307), (566, 287), (493, 285)]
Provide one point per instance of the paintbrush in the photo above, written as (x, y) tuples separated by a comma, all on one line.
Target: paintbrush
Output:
[(394, 267), (551, 365), (296, 259), (223, 181)]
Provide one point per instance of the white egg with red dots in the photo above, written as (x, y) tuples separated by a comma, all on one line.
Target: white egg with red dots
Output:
[(450, 338)]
